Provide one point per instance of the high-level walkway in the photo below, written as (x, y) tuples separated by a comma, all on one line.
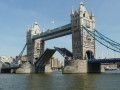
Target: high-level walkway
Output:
[(54, 33)]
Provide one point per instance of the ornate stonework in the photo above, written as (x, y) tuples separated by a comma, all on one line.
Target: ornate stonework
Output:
[(34, 47), (83, 45)]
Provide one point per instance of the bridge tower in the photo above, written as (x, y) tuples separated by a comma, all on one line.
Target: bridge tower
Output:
[(34, 47), (83, 45)]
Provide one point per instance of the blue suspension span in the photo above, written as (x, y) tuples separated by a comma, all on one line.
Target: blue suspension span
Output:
[(21, 53), (104, 38), (98, 40), (107, 38), (109, 42)]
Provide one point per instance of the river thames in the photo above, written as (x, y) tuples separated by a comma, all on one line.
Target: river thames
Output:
[(57, 81)]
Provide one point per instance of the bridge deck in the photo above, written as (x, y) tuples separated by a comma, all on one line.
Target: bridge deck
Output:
[(44, 58), (111, 60), (64, 52)]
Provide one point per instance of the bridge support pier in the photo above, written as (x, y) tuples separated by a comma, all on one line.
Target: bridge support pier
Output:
[(45, 69), (82, 66), (95, 68), (75, 66), (26, 68)]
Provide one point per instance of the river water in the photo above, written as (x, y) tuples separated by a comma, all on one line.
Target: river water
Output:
[(109, 80)]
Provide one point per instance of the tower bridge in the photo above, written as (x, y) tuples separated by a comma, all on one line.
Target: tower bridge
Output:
[(82, 59), (83, 56)]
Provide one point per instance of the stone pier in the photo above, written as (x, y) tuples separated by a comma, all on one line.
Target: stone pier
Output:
[(75, 66), (82, 66)]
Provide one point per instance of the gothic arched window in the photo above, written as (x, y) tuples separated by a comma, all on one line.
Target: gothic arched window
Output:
[(84, 15)]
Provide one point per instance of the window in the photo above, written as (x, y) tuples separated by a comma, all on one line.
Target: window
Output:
[(84, 15)]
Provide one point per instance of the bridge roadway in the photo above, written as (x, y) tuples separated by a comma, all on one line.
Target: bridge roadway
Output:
[(54, 33), (110, 60)]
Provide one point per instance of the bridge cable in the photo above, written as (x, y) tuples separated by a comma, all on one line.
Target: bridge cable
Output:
[(94, 36)]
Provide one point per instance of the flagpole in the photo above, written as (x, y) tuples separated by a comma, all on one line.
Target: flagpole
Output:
[(53, 23)]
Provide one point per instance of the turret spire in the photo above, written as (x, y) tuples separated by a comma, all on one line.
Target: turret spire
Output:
[(81, 3), (72, 12), (92, 14)]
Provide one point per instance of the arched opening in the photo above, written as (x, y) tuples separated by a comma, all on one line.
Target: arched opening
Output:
[(89, 55)]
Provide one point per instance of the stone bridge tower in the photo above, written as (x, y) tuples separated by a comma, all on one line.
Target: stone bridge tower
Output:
[(83, 45), (34, 47)]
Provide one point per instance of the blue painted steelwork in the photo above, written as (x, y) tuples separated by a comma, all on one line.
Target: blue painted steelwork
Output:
[(44, 58), (64, 52), (53, 31), (20, 55), (14, 64), (113, 46), (104, 42), (111, 60), (114, 42)]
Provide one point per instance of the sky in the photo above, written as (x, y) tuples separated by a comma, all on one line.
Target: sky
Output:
[(17, 15)]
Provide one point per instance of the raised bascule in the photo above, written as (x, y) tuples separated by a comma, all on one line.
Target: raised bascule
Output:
[(82, 59)]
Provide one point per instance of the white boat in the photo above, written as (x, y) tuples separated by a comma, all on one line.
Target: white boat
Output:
[(108, 68)]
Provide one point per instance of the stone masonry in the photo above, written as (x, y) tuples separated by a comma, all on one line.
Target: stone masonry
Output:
[(34, 47), (83, 45)]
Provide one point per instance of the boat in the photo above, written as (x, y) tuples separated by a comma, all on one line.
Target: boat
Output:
[(108, 68)]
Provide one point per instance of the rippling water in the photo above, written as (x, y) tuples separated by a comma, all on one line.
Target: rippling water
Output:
[(110, 80)]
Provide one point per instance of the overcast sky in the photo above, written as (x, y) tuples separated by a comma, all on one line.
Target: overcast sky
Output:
[(16, 15)]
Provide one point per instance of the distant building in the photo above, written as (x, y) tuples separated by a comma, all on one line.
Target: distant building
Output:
[(55, 63), (6, 59)]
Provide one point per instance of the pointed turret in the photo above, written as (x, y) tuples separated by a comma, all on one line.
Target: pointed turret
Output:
[(81, 7), (92, 16), (35, 29), (35, 23), (72, 12), (81, 3)]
